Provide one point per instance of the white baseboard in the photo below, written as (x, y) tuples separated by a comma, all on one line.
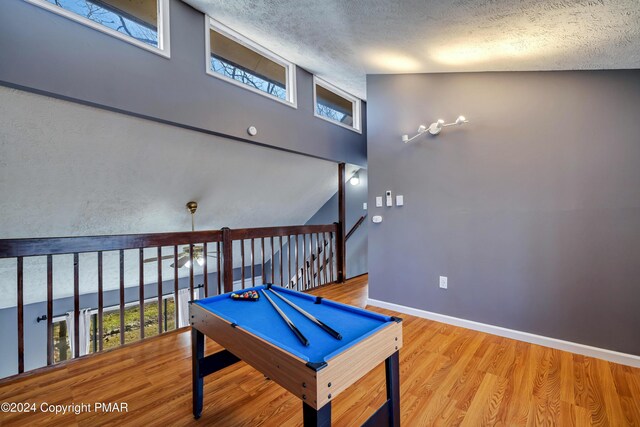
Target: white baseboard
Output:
[(585, 350)]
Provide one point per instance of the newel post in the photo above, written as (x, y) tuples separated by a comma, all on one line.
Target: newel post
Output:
[(227, 256), (341, 247)]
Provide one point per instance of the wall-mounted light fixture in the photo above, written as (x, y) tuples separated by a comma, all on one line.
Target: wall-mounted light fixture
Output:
[(355, 179), (434, 129)]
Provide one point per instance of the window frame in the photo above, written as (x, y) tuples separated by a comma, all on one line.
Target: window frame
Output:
[(290, 68), (357, 105), (164, 45)]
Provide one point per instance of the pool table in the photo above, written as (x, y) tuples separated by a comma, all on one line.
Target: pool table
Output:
[(254, 332)]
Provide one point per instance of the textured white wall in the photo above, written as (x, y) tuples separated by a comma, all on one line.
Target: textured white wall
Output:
[(68, 170)]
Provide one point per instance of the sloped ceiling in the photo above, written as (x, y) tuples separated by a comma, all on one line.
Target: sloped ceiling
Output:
[(342, 41), (70, 170)]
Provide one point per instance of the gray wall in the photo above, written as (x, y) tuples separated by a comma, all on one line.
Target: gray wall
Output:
[(44, 52), (532, 210)]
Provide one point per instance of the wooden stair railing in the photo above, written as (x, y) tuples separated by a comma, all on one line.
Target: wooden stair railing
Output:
[(314, 268), (355, 226), (225, 244)]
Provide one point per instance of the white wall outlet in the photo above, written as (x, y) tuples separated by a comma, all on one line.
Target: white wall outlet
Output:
[(378, 202), (364, 206), (399, 200), (389, 199), (443, 282)]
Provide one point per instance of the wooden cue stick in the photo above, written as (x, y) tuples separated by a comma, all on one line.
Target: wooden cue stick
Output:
[(289, 323), (311, 317)]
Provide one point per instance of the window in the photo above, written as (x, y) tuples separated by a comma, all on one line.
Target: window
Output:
[(111, 326), (336, 106), (144, 23), (231, 57)]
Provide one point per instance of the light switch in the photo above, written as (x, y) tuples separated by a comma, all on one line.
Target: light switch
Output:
[(364, 206), (399, 200), (378, 202)]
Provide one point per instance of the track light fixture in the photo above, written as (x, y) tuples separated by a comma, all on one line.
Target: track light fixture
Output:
[(434, 129)]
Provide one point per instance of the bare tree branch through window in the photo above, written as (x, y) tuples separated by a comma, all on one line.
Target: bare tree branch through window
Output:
[(112, 17)]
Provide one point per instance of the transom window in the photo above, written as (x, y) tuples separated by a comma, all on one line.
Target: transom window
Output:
[(144, 23), (335, 105), (240, 61)]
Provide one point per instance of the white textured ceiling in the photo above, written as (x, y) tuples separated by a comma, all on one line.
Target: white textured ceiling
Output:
[(342, 41), (72, 170)]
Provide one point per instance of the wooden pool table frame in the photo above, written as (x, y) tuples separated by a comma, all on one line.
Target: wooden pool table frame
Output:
[(316, 384)]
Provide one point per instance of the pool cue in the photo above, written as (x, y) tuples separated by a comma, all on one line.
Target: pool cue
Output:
[(311, 317), (289, 323)]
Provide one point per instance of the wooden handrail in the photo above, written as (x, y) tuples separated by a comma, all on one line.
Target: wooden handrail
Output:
[(290, 230), (11, 248), (355, 226)]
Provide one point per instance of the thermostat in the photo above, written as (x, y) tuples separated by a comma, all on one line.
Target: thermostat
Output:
[(377, 219)]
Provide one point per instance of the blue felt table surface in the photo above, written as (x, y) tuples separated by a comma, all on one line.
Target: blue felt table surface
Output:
[(261, 319)]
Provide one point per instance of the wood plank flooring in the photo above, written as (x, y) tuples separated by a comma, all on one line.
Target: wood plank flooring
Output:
[(449, 376)]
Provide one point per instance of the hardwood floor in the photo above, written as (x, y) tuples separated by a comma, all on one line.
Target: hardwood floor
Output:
[(449, 376)]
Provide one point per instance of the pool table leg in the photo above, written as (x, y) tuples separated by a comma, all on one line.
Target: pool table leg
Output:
[(316, 418), (392, 369), (197, 353)]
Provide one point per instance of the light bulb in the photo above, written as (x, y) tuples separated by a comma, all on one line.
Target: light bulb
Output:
[(440, 122), (355, 179), (187, 264), (460, 120), (405, 138), (422, 128), (200, 261)]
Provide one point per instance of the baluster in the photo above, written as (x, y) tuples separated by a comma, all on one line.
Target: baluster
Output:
[(242, 259), (20, 283), (289, 261), (264, 277), (331, 254), (100, 301), (218, 270), (159, 290), (311, 262), (273, 262), (141, 290), (121, 273), (191, 271), (175, 284), (297, 266), (49, 310), (253, 270), (76, 305), (205, 270), (324, 256), (304, 262), (319, 253), (281, 278)]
